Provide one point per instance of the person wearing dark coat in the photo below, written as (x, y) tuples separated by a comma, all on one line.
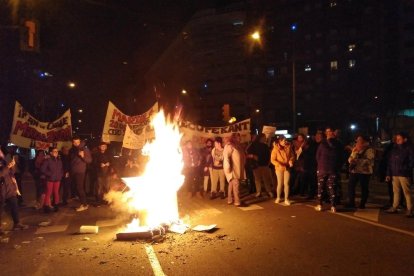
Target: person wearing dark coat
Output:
[(52, 169), (400, 171), (9, 192), (329, 158), (80, 157)]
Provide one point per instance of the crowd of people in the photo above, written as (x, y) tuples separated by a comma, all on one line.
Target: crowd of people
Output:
[(308, 167)]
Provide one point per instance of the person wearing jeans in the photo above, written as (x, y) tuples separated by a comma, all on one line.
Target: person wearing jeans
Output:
[(282, 158), (52, 168)]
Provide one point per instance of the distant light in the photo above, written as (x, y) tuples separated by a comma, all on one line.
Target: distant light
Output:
[(80, 121), (183, 91), (125, 62), (352, 126), (42, 75), (238, 23), (77, 128), (257, 110), (71, 84), (281, 132), (299, 114), (80, 110), (293, 27), (47, 74), (256, 35), (232, 120), (308, 68), (62, 105), (205, 85), (376, 97)]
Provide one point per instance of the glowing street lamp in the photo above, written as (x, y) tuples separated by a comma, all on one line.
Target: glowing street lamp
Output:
[(256, 36), (71, 85), (183, 91)]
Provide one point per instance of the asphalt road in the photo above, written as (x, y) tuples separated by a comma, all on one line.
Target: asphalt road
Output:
[(262, 239)]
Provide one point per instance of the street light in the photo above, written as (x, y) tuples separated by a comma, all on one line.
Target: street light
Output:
[(71, 85), (184, 91), (256, 36)]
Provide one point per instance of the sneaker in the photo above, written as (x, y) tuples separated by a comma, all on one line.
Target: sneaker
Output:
[(277, 201), (333, 209), (391, 210), (20, 226), (83, 207), (318, 208), (287, 202)]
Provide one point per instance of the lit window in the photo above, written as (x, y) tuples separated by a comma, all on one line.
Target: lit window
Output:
[(351, 63), (308, 68), (334, 65), (351, 47), (332, 4), (271, 72)]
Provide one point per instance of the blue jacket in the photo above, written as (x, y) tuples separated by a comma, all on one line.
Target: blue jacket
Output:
[(52, 168), (400, 161)]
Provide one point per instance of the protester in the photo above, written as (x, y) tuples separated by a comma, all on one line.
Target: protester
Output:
[(207, 163), (52, 168), (39, 178), (192, 170), (329, 158), (251, 164), (260, 152), (361, 167), (65, 181), (131, 168), (18, 168), (80, 157), (102, 163), (217, 172), (300, 146), (282, 158), (400, 170), (233, 164), (9, 192)]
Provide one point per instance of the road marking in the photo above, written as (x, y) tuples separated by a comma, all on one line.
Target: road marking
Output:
[(51, 229), (409, 233), (251, 207), (369, 214), (155, 264)]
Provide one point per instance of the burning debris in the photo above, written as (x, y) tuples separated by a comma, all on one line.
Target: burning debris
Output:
[(153, 195)]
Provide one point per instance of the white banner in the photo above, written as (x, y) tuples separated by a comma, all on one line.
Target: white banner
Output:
[(28, 132), (116, 122), (199, 134), (133, 141)]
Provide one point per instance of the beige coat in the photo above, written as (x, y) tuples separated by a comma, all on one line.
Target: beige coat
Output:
[(233, 162), (280, 157)]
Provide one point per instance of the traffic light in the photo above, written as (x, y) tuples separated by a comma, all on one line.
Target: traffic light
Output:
[(226, 112), (29, 35)]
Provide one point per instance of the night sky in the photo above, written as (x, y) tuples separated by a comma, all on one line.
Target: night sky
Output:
[(105, 46)]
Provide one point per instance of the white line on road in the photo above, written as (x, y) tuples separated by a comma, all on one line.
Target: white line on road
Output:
[(155, 264), (374, 223)]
